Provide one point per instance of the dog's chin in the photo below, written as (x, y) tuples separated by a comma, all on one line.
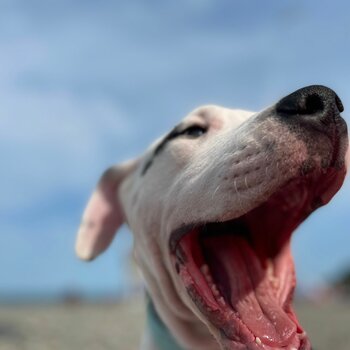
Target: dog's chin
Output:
[(240, 273)]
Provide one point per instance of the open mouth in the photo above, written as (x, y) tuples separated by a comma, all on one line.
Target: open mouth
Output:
[(240, 273)]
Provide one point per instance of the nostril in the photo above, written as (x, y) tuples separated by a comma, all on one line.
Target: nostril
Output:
[(300, 103), (314, 100), (313, 104)]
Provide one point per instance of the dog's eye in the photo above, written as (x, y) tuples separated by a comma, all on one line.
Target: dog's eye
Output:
[(193, 131)]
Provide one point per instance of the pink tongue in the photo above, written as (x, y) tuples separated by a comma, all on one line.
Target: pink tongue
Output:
[(252, 293)]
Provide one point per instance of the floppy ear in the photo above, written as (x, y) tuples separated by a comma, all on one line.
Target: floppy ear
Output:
[(103, 214)]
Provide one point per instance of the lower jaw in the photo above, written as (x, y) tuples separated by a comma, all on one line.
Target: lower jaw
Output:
[(220, 313), (230, 331)]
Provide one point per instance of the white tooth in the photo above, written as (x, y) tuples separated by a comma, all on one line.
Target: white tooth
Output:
[(293, 348), (258, 341), (222, 301), (215, 290), (270, 273), (204, 269), (270, 268), (303, 335)]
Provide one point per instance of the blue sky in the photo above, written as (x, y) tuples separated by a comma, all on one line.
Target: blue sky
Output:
[(84, 85)]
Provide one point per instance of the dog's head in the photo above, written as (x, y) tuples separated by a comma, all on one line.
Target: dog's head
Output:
[(212, 206)]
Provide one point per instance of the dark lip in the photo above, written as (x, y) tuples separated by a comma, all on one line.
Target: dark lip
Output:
[(176, 235)]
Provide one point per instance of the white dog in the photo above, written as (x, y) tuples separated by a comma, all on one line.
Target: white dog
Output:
[(212, 206)]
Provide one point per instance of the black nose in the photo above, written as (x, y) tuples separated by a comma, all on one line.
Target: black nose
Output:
[(316, 100)]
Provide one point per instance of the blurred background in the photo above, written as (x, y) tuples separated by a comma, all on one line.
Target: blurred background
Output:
[(87, 84)]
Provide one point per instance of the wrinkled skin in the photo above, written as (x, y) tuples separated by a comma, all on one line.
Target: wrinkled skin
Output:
[(237, 164)]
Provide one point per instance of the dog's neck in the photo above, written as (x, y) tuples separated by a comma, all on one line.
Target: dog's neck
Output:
[(161, 337), (158, 336)]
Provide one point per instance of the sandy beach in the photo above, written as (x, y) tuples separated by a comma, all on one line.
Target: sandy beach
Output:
[(118, 326)]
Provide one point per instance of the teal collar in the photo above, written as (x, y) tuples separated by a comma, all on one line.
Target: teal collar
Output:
[(159, 332)]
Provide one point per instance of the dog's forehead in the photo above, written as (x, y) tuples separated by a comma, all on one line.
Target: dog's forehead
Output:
[(213, 114)]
